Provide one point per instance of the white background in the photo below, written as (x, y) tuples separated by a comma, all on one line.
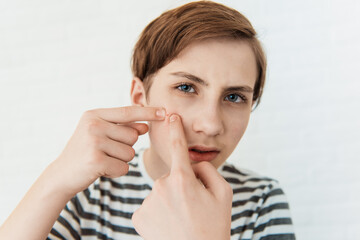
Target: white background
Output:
[(60, 58)]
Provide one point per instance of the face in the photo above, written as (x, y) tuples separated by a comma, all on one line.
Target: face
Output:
[(210, 85)]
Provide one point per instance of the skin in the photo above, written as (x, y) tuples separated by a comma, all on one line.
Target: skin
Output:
[(100, 146), (194, 194), (191, 200), (208, 117)]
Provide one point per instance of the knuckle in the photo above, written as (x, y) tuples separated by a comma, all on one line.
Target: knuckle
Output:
[(95, 142), (93, 125), (180, 179), (227, 191), (159, 188), (124, 169), (89, 114), (116, 169), (130, 154), (133, 136), (96, 157)]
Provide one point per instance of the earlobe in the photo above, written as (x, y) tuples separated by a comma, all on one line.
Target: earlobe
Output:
[(137, 92)]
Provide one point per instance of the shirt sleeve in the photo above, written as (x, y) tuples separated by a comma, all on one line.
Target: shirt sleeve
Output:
[(274, 220), (67, 226)]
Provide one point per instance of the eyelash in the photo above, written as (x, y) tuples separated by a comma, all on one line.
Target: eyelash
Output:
[(185, 84), (178, 87)]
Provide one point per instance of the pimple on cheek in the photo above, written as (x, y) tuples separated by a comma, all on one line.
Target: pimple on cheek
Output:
[(168, 114)]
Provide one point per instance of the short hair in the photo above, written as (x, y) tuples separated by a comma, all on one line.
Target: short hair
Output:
[(166, 36)]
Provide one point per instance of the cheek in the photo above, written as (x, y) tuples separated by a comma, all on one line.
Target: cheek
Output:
[(236, 121), (171, 105), (158, 128), (158, 132), (237, 128)]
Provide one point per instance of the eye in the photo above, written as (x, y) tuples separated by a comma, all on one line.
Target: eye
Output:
[(235, 98), (186, 88)]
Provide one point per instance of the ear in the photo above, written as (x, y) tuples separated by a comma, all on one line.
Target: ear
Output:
[(137, 93)]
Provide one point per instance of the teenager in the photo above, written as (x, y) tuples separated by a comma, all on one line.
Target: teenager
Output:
[(199, 71)]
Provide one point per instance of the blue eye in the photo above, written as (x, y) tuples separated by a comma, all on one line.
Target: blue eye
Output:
[(186, 88), (234, 98)]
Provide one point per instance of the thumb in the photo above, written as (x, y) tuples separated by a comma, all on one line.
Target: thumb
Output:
[(211, 178), (178, 148)]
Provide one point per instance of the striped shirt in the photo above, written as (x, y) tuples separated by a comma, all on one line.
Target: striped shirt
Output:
[(103, 211)]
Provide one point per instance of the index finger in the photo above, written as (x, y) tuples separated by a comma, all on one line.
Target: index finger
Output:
[(178, 146), (131, 114)]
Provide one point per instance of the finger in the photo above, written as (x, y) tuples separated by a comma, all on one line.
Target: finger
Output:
[(127, 133), (117, 150), (178, 146), (114, 167), (142, 128), (130, 114), (210, 177)]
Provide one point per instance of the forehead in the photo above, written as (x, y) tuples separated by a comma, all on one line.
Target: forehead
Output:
[(217, 61)]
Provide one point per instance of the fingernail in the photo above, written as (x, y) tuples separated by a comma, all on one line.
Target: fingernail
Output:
[(173, 118), (160, 113)]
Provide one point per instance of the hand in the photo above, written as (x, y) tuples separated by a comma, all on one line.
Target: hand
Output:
[(191, 202), (101, 146)]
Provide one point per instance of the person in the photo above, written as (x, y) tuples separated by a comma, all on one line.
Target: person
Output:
[(199, 71)]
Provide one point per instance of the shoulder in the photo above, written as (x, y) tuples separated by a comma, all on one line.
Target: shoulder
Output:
[(246, 183), (239, 177), (259, 204)]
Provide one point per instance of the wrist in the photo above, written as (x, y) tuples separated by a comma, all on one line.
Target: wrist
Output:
[(55, 183)]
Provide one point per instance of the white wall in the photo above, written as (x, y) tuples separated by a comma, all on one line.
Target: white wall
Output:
[(60, 58)]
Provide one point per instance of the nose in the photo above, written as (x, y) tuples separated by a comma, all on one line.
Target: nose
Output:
[(209, 121)]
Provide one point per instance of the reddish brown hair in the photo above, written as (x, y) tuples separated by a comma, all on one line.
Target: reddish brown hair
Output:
[(166, 36)]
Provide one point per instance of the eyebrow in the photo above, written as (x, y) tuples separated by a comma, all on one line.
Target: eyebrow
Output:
[(203, 82), (190, 77)]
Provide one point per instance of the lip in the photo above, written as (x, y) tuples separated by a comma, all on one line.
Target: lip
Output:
[(209, 153)]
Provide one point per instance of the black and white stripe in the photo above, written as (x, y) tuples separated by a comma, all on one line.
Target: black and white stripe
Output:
[(103, 211), (260, 209)]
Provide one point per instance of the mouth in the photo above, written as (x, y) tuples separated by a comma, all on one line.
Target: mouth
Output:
[(201, 153)]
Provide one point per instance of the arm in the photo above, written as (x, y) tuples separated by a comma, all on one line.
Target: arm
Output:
[(100, 146), (38, 210)]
